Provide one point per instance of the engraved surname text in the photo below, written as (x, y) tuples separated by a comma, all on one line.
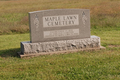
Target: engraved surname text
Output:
[(61, 33)]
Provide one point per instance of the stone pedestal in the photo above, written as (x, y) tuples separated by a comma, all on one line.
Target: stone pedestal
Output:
[(55, 47)]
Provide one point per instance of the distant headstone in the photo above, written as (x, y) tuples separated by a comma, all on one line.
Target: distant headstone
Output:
[(60, 24), (59, 31)]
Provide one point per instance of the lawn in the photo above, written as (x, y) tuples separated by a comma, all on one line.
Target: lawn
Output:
[(102, 64), (86, 65), (14, 13)]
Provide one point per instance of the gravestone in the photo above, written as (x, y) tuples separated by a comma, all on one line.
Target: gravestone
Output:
[(61, 24), (59, 31)]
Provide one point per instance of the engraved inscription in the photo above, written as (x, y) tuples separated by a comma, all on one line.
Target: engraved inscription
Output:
[(61, 20), (61, 33)]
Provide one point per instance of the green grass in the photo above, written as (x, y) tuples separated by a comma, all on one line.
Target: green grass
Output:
[(87, 65), (12, 41), (102, 65), (109, 36), (92, 65), (14, 13)]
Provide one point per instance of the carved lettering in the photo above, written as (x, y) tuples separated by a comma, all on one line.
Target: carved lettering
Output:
[(61, 33), (61, 20)]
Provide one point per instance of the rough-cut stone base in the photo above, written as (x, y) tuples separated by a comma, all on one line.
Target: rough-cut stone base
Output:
[(58, 52), (54, 47)]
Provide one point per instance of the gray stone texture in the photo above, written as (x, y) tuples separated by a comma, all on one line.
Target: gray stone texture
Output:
[(63, 45), (59, 24)]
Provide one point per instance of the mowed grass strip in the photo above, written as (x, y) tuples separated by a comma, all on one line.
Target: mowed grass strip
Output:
[(81, 65), (12, 41), (108, 36), (102, 64)]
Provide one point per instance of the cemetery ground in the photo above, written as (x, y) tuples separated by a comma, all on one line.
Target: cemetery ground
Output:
[(101, 64)]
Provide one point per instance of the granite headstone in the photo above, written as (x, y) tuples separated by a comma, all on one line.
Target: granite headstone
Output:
[(59, 31), (59, 24)]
